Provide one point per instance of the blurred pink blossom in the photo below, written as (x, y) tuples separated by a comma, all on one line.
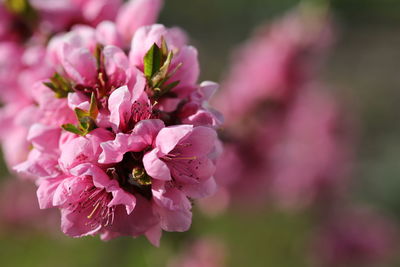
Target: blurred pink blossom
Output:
[(275, 63), (19, 210), (283, 132), (208, 252), (354, 237)]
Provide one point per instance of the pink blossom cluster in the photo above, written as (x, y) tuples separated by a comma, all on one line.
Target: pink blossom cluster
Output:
[(111, 124)]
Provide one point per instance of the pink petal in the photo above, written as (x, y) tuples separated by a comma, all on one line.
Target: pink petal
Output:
[(154, 235), (96, 11), (148, 130), (169, 137), (155, 167), (69, 190), (137, 13), (175, 220), (107, 34), (137, 223), (113, 151), (203, 189), (116, 65), (202, 140), (38, 165), (75, 224), (100, 178), (78, 100), (120, 197), (173, 207), (46, 190), (119, 104), (146, 36), (188, 73), (44, 138), (142, 136), (208, 88), (83, 149), (80, 65)]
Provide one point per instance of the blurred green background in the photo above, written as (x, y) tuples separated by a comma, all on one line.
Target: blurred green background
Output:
[(363, 70)]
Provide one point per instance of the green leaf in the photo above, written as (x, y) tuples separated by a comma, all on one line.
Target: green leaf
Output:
[(170, 86), (80, 113), (72, 128), (152, 61)]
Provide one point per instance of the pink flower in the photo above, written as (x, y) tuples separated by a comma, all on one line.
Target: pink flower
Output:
[(181, 163), (128, 108), (183, 152), (92, 203), (141, 137)]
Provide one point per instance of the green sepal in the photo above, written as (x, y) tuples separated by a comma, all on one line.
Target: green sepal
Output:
[(161, 74), (86, 119), (170, 86), (87, 124), (59, 85), (164, 47), (72, 128)]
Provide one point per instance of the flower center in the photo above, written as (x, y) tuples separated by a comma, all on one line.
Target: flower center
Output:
[(95, 201), (131, 175)]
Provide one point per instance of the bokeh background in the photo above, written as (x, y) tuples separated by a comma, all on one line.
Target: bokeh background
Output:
[(363, 69)]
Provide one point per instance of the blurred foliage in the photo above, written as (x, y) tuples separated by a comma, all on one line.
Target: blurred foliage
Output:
[(266, 239)]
